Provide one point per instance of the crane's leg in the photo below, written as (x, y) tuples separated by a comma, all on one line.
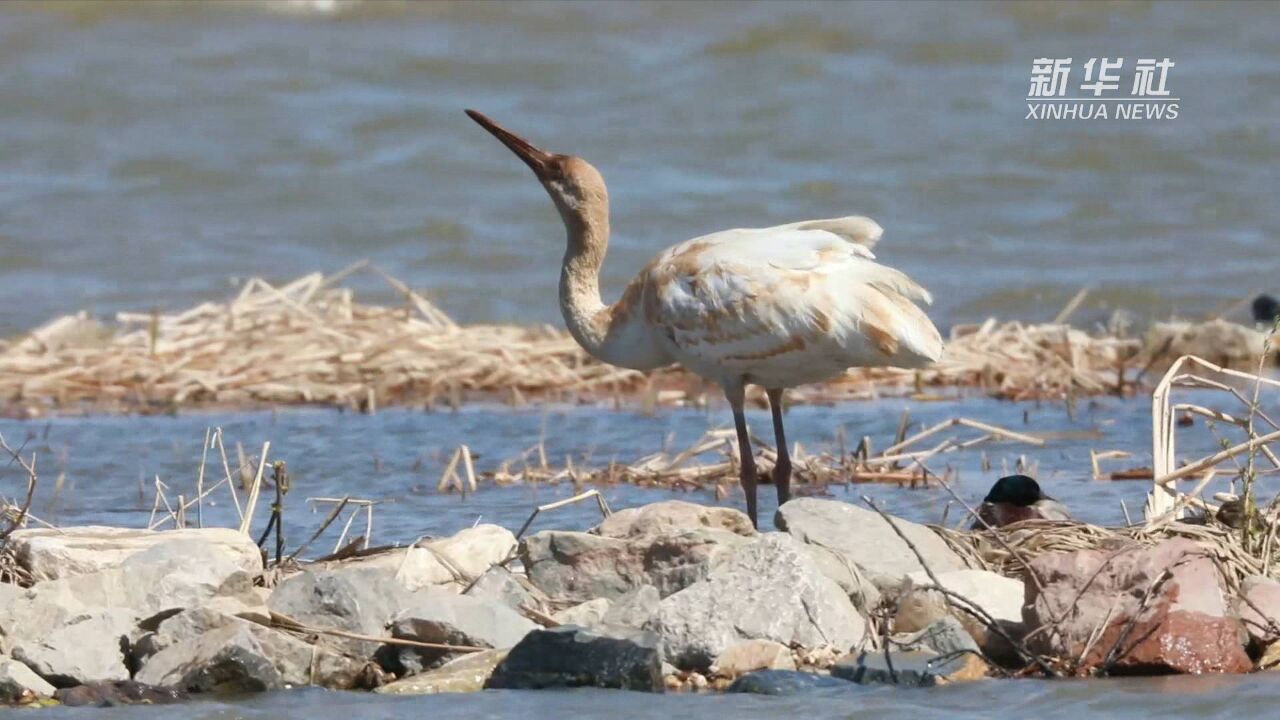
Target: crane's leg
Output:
[(747, 462), (781, 470)]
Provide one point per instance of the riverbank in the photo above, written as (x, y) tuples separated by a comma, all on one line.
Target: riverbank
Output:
[(671, 596), (309, 342)]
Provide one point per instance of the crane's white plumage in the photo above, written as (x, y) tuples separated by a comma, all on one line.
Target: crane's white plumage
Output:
[(781, 306), (776, 307)]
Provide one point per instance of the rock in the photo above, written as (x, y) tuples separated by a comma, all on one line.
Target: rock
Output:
[(785, 682), (998, 596), (865, 539), (945, 636), (747, 656), (180, 644), (441, 617), (587, 614), (464, 674), (863, 593), (50, 554), (91, 650), (358, 600), (20, 684), (1270, 659), (227, 659), (161, 579), (1259, 608), (501, 585), (575, 567), (920, 668), (453, 562), (120, 692), (570, 656), (768, 589), (671, 517), (634, 609), (1184, 627)]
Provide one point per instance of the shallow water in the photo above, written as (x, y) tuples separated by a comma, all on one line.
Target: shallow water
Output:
[(108, 465), (156, 152)]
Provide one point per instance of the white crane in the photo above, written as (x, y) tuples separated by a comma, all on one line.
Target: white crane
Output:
[(775, 307)]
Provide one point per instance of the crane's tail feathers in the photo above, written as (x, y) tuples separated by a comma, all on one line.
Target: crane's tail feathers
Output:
[(856, 229)]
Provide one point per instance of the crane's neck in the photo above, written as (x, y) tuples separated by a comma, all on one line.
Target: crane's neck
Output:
[(586, 315)]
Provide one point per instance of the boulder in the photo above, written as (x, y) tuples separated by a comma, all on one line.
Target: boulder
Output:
[(768, 589), (20, 684), (587, 614), (1259, 608), (671, 517), (574, 567), (50, 554), (634, 609), (358, 600), (570, 656), (865, 539), (785, 682), (1094, 600), (464, 674), (118, 692), (89, 650), (863, 593), (747, 656), (917, 668), (944, 637), (998, 596), (453, 562), (437, 616), (180, 644), (228, 659), (501, 585)]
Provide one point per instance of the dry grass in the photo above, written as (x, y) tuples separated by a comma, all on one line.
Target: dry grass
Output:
[(309, 342)]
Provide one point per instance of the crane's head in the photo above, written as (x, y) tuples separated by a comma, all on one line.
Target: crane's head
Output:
[(573, 184)]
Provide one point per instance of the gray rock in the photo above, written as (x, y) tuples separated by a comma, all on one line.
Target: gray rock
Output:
[(999, 596), (944, 637), (90, 650), (671, 517), (19, 683), (587, 614), (118, 692), (768, 589), (227, 659), (866, 540), (501, 585), (919, 668), (863, 593), (454, 561), (577, 567), (184, 652), (50, 554), (785, 682), (357, 600), (570, 656), (634, 609), (441, 617)]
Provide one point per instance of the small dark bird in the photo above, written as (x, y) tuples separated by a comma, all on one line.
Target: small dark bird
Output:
[(1266, 309), (1015, 498)]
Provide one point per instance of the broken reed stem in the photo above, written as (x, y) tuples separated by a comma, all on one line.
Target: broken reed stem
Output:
[(333, 515), (247, 520), (20, 517), (285, 622)]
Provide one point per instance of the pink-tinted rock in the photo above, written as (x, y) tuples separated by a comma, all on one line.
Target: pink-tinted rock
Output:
[(1093, 606), (1259, 608)]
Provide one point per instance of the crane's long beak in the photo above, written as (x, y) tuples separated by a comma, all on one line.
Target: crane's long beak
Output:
[(538, 160)]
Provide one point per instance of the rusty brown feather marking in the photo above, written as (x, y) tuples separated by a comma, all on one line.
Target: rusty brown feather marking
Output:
[(832, 253), (795, 344), (822, 321), (877, 323)]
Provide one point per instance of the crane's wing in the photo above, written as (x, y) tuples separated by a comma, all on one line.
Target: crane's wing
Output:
[(737, 301)]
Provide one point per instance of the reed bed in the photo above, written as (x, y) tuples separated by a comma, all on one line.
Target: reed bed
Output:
[(309, 342)]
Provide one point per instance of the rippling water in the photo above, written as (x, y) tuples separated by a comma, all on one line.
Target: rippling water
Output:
[(153, 153)]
